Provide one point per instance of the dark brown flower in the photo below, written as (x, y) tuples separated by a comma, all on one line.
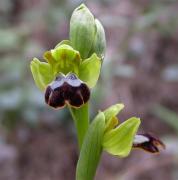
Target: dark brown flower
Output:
[(148, 143), (67, 90)]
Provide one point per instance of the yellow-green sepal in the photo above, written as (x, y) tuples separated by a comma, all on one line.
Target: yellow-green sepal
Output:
[(89, 70), (42, 73), (119, 140)]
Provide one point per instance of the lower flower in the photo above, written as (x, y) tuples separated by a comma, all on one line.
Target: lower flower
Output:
[(148, 143)]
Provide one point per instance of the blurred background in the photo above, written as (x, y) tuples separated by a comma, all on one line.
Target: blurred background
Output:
[(140, 70)]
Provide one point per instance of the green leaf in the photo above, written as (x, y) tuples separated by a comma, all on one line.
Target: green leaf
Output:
[(89, 70), (67, 59), (42, 73), (82, 30), (119, 140), (91, 149)]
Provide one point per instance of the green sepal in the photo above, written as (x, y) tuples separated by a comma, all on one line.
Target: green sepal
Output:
[(89, 70), (82, 30), (91, 149), (42, 73), (119, 141), (66, 59), (99, 44)]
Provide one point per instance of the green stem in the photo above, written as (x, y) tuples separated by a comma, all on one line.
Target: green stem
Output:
[(81, 120), (91, 150), (91, 168)]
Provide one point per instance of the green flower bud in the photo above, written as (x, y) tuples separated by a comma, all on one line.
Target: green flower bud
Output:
[(82, 30), (99, 44), (86, 34)]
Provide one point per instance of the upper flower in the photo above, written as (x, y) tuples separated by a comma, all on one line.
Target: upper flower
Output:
[(81, 55), (63, 60)]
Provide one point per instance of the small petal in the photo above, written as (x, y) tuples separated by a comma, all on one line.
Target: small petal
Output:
[(148, 143), (112, 111), (48, 57), (113, 123)]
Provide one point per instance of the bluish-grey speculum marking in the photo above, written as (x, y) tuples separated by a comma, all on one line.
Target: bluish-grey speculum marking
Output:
[(67, 90)]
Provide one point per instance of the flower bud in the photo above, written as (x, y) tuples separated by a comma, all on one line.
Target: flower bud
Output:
[(67, 90), (82, 30), (99, 44), (86, 33)]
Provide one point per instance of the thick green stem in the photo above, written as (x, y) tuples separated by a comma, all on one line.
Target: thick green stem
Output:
[(91, 150), (81, 120)]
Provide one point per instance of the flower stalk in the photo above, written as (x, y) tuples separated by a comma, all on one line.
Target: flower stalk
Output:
[(81, 120)]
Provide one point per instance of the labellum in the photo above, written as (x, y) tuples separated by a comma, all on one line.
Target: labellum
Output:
[(148, 143), (67, 90)]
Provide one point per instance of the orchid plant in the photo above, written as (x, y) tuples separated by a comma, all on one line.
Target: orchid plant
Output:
[(67, 78)]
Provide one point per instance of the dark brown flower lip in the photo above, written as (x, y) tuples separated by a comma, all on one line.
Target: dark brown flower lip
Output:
[(68, 90), (148, 143)]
